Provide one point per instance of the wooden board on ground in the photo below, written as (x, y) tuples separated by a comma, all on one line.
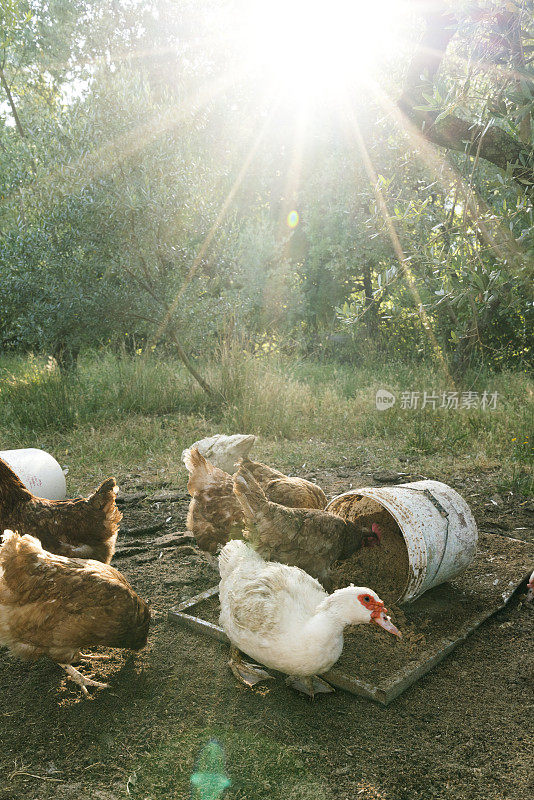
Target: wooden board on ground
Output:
[(380, 667)]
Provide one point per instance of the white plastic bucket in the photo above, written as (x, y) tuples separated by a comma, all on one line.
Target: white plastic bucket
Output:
[(38, 471), (436, 523)]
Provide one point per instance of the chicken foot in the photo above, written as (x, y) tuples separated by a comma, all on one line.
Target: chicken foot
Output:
[(94, 657), (81, 680), (310, 685), (248, 674)]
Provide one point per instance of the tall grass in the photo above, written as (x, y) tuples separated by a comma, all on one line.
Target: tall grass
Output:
[(35, 397), (276, 398)]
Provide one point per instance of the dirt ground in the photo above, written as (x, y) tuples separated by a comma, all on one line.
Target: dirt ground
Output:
[(464, 731)]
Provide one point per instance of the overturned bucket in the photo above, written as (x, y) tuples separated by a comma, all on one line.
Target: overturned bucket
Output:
[(436, 524), (38, 471)]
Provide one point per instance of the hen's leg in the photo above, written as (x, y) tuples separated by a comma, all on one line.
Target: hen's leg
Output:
[(249, 674), (81, 680)]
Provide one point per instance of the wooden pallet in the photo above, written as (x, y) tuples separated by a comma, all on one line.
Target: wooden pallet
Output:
[(501, 566)]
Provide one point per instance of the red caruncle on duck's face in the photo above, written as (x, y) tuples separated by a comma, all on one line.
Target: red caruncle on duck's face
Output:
[(376, 607), (378, 613)]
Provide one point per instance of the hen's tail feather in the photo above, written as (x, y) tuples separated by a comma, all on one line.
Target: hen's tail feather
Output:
[(193, 459), (105, 494), (8, 536), (12, 490), (11, 543), (104, 499), (249, 493), (200, 470)]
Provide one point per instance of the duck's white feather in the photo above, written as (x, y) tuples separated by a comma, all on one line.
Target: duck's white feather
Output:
[(280, 615)]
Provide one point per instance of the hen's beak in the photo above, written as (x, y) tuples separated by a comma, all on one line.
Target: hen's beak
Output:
[(386, 623)]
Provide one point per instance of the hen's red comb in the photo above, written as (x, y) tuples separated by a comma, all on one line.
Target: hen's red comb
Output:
[(376, 530)]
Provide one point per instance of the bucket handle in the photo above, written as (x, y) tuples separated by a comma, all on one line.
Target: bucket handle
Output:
[(445, 514), (434, 500)]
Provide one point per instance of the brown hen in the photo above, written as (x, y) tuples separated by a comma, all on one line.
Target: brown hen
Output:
[(54, 606), (81, 528), (214, 515), (290, 492), (311, 539)]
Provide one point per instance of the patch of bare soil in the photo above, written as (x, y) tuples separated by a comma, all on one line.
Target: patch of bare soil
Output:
[(441, 615), (464, 732)]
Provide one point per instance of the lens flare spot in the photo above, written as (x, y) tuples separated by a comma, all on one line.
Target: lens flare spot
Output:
[(293, 219)]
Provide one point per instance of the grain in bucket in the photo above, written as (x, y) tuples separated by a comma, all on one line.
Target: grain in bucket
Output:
[(428, 536)]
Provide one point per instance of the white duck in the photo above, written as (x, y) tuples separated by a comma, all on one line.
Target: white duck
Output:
[(283, 618), (223, 451)]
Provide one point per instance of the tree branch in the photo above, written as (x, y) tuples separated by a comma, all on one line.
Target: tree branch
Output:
[(194, 372), (492, 143), (18, 123), (174, 336), (12, 105)]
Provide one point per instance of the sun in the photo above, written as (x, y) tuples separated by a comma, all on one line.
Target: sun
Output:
[(317, 46)]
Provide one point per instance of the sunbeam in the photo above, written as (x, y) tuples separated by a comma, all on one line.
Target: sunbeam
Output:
[(310, 48), (208, 239), (395, 241)]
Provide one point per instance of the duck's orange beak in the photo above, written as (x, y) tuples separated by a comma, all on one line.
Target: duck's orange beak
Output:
[(385, 622)]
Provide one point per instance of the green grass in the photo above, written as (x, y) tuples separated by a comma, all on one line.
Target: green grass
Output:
[(256, 766), (135, 414)]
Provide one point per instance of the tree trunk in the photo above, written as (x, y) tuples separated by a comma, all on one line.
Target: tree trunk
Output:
[(472, 342), (66, 357), (12, 105), (370, 312), (512, 23), (193, 371)]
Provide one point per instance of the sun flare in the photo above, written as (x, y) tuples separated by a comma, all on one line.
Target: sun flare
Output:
[(315, 46)]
